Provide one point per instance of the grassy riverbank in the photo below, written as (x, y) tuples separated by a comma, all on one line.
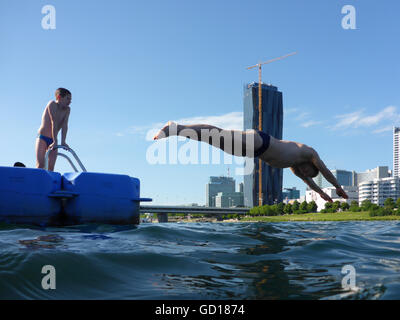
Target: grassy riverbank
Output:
[(338, 216)]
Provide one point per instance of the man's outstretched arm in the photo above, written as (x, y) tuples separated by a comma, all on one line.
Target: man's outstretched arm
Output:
[(310, 182), (316, 160)]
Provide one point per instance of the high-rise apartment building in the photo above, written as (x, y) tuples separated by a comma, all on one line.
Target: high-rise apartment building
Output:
[(352, 178), (272, 124), (372, 174), (378, 190), (396, 152)]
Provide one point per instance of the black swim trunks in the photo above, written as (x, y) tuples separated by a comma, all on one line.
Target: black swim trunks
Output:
[(266, 140)]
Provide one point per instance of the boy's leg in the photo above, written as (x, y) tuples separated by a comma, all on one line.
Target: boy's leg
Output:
[(52, 159), (41, 148)]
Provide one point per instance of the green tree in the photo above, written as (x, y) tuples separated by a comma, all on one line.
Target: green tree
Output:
[(336, 206), (380, 211), (328, 205), (344, 206), (303, 206), (270, 211), (279, 208), (312, 207), (273, 210), (374, 207), (389, 203), (254, 211), (366, 205), (295, 205), (288, 209), (354, 203), (354, 206), (398, 203), (263, 210)]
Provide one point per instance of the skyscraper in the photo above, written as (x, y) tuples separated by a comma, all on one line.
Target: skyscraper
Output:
[(343, 177), (396, 152), (291, 193), (272, 124), (216, 185)]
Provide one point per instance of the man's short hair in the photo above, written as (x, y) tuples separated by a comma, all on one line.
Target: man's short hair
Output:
[(62, 92)]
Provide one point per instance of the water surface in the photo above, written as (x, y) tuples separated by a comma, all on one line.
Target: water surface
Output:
[(287, 260)]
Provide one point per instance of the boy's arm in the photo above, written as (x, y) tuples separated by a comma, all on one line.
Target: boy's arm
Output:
[(65, 128), (316, 160), (310, 182), (52, 112)]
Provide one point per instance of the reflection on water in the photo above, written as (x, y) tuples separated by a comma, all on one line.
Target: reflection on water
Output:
[(294, 260)]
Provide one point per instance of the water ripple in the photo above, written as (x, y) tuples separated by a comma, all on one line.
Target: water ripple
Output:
[(293, 260)]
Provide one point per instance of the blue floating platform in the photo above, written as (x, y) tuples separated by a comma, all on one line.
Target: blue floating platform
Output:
[(108, 198), (41, 197)]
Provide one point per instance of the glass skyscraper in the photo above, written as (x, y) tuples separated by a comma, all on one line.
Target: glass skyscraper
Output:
[(343, 177), (272, 124), (291, 193)]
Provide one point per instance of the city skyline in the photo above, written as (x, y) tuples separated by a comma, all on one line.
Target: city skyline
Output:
[(132, 66)]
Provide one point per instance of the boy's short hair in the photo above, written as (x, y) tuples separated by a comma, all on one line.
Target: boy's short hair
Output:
[(62, 92)]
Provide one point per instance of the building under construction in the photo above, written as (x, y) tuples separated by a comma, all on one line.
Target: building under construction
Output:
[(272, 124)]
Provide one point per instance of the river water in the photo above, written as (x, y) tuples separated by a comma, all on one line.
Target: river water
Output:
[(293, 260)]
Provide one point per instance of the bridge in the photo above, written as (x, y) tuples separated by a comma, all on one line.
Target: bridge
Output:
[(163, 211)]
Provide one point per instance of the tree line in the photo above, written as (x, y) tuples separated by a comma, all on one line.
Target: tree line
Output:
[(390, 207), (281, 208)]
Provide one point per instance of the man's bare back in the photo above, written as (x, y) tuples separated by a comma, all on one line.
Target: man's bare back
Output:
[(285, 154)]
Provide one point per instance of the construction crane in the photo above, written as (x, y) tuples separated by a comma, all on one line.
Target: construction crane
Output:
[(259, 65)]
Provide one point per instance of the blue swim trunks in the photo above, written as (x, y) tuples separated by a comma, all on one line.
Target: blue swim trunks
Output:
[(266, 140), (48, 140)]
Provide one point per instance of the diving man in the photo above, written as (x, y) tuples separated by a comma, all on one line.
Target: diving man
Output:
[(303, 160)]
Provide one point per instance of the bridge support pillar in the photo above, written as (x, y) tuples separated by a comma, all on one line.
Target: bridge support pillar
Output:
[(162, 217)]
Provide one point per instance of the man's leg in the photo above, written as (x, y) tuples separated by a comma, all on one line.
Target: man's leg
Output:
[(235, 142), (41, 148)]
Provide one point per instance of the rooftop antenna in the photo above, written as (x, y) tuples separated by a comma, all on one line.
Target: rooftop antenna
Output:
[(259, 65)]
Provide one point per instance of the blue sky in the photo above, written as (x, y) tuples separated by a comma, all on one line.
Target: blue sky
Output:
[(131, 66)]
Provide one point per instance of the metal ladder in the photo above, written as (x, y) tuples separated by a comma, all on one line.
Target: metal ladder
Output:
[(46, 158)]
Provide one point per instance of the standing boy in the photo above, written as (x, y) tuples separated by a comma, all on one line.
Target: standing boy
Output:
[(55, 117)]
